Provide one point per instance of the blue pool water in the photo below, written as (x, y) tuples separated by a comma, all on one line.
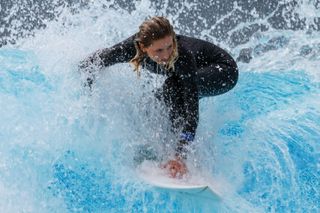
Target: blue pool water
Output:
[(62, 150)]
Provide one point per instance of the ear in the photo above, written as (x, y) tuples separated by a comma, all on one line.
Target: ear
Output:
[(142, 48)]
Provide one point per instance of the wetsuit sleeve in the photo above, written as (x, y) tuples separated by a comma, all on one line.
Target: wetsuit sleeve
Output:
[(186, 69), (119, 53)]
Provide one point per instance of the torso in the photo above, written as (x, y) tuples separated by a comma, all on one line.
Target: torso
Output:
[(193, 54)]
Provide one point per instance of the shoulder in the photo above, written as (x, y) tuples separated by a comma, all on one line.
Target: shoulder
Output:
[(186, 63), (127, 43), (185, 44), (122, 51), (201, 49), (191, 42)]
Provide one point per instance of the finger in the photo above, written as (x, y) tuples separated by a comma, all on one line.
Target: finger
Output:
[(173, 173)]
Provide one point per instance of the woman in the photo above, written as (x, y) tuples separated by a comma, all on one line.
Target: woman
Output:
[(194, 69)]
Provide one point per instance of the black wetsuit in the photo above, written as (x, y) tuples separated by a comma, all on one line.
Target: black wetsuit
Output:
[(202, 69)]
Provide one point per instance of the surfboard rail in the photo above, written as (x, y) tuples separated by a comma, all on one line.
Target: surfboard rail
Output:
[(186, 186)]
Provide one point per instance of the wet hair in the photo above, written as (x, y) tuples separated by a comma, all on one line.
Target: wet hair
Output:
[(151, 30)]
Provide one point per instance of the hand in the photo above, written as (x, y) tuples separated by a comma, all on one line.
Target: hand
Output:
[(88, 71), (176, 168)]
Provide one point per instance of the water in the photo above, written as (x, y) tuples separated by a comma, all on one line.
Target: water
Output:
[(63, 150)]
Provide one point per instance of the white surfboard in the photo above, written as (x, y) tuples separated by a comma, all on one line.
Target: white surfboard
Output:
[(190, 185)]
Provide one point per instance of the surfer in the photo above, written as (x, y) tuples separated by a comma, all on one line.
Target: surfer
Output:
[(193, 68)]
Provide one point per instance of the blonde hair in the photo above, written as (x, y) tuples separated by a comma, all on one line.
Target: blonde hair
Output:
[(149, 31)]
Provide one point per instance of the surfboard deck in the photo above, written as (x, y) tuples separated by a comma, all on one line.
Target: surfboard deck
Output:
[(190, 185)]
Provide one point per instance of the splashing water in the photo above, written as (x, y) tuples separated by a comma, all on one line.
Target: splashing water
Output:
[(63, 150)]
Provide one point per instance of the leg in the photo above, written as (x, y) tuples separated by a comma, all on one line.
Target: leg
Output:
[(216, 79)]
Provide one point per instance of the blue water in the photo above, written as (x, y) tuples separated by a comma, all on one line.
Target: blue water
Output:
[(62, 150)]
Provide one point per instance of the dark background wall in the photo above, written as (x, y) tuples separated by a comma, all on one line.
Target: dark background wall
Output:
[(222, 18)]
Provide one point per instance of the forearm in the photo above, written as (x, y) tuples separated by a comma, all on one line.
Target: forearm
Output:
[(119, 53), (190, 121)]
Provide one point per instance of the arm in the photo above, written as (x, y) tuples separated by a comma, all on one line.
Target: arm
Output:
[(177, 167), (119, 53), (186, 68)]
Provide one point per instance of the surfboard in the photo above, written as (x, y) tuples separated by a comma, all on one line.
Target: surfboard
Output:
[(191, 185)]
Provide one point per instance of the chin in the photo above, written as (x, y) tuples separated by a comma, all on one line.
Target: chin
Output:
[(163, 62)]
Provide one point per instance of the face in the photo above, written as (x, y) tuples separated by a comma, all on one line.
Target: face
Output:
[(160, 50)]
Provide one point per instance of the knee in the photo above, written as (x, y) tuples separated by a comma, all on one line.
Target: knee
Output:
[(233, 75)]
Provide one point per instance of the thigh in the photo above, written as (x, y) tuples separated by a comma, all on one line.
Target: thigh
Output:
[(216, 79)]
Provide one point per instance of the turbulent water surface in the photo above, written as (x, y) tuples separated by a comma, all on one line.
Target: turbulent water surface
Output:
[(64, 150)]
